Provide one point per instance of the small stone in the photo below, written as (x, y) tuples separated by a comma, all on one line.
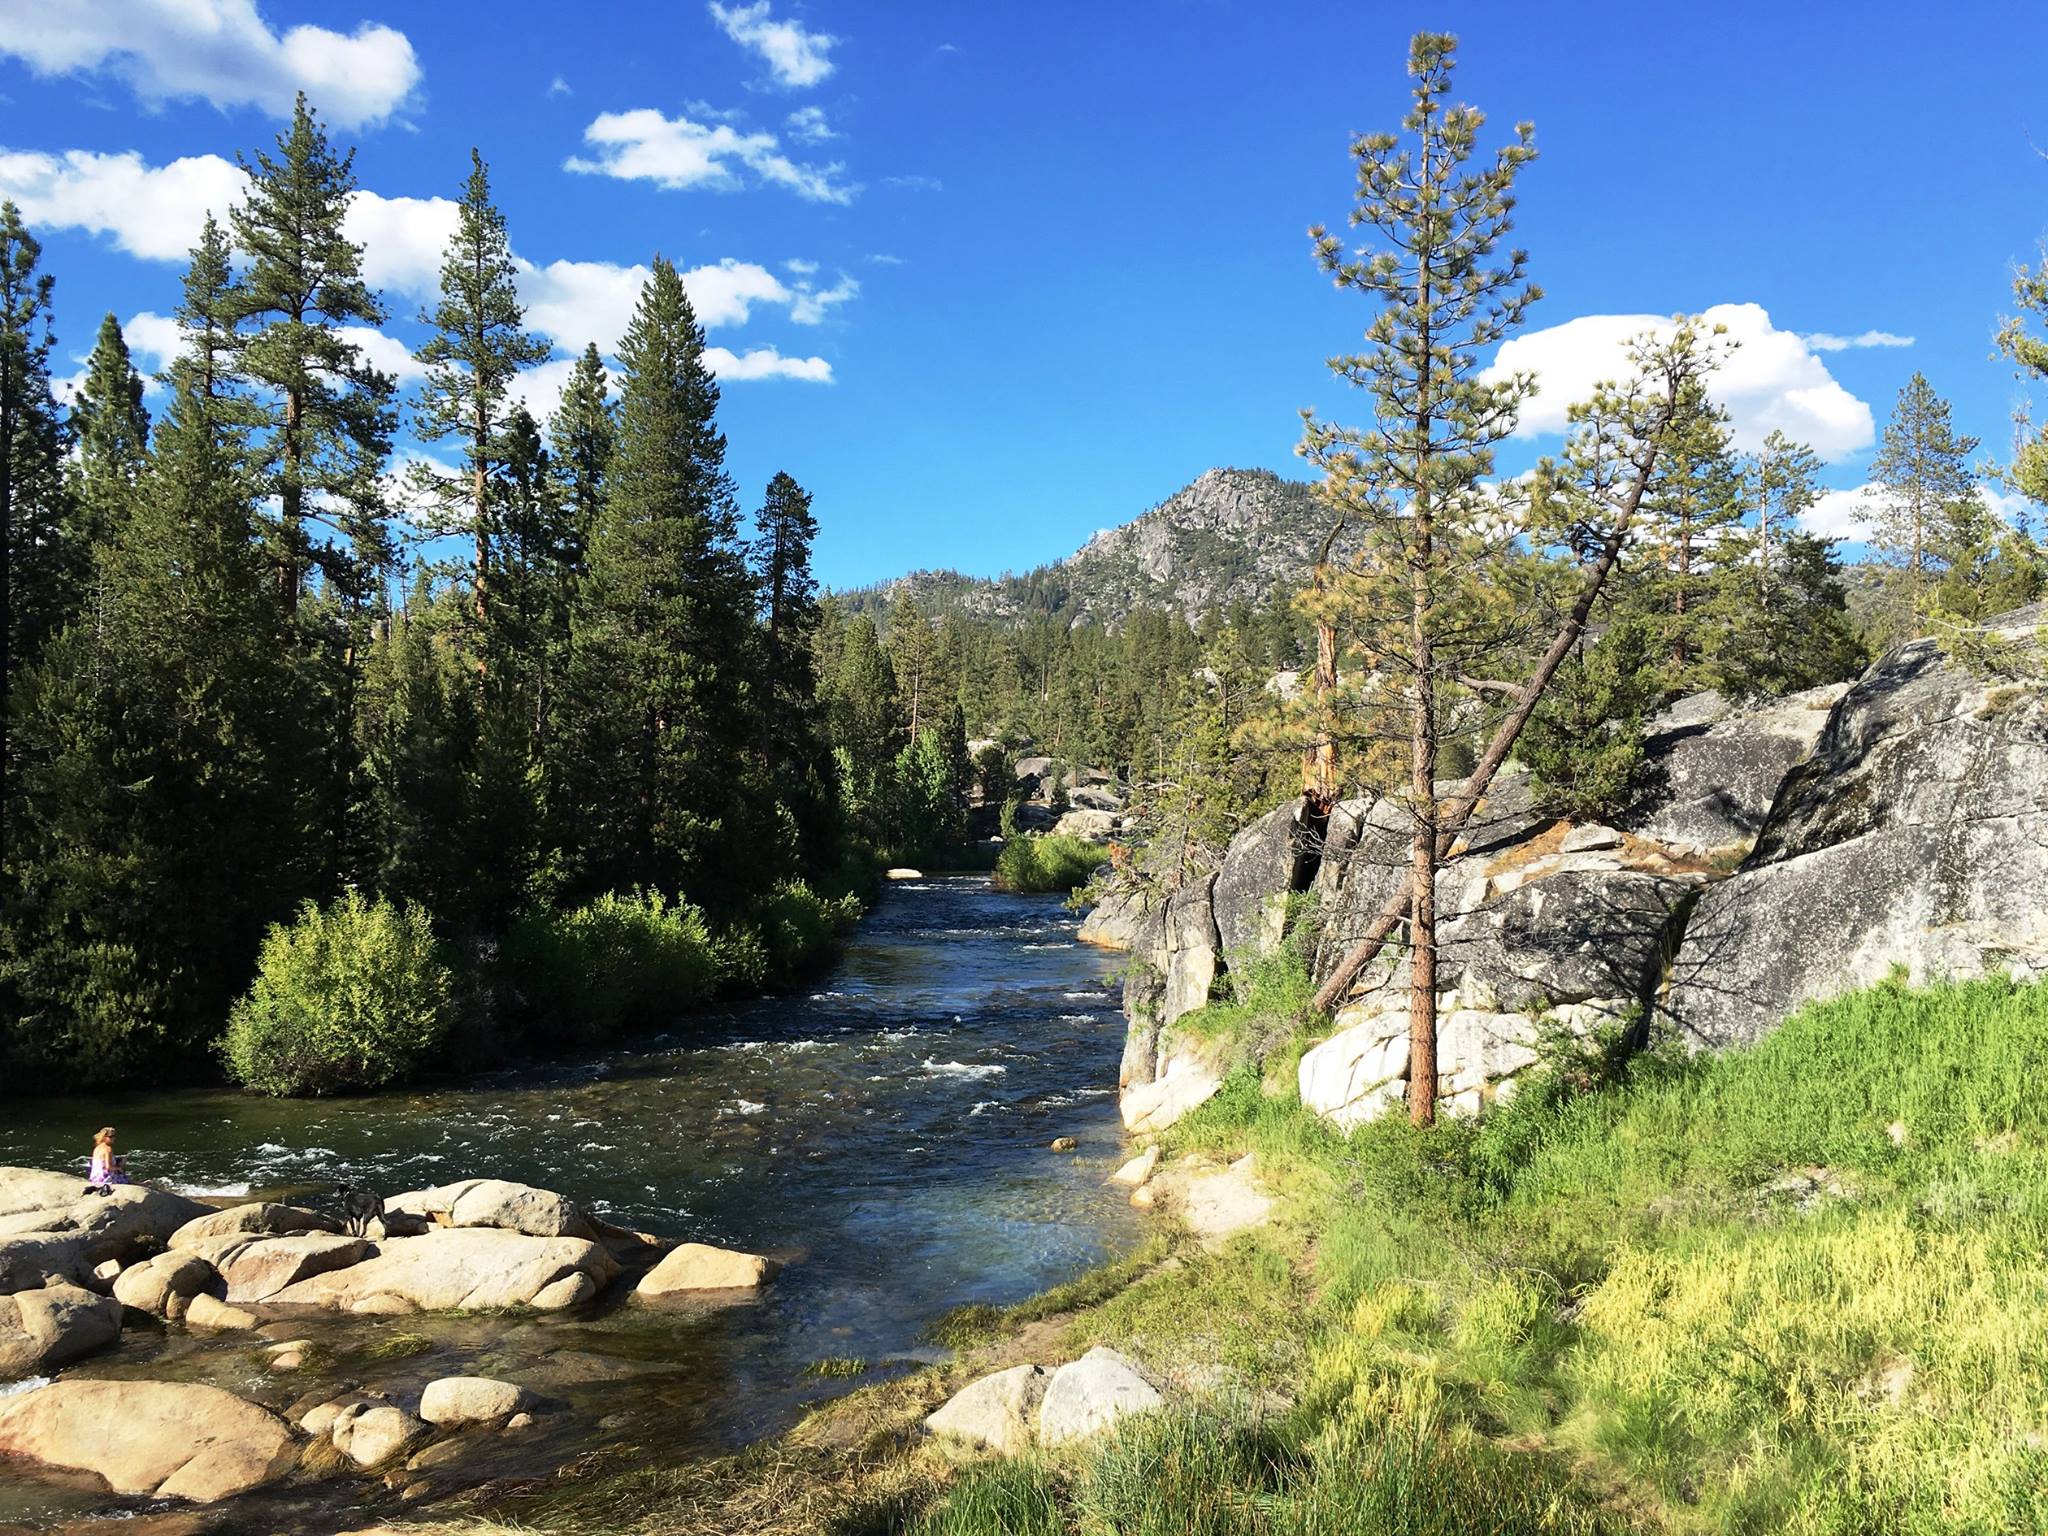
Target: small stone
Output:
[(1590, 838), (1144, 1198), (519, 1421), (205, 1312), (287, 1360), (1138, 1169), (1896, 1131), (371, 1433), (995, 1411), (1064, 1144), (469, 1400), (904, 873)]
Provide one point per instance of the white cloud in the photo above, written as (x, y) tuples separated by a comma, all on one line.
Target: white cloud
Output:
[(1841, 514), (1772, 379), (884, 259), (799, 267), (220, 51), (153, 340), (766, 363), (681, 154), (387, 354), (807, 125), (914, 183), (808, 305), (154, 212), (560, 87), (403, 239), (1821, 341), (578, 302), (795, 57)]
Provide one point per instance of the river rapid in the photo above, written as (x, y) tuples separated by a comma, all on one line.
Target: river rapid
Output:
[(884, 1133)]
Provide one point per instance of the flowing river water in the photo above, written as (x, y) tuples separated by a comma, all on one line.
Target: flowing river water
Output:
[(885, 1134)]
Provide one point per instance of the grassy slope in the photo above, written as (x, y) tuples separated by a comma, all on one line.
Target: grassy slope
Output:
[(1590, 1313)]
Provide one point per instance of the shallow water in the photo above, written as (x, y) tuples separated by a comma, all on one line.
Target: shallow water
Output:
[(885, 1134)]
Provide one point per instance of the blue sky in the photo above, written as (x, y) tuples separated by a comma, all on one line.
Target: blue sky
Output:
[(990, 277)]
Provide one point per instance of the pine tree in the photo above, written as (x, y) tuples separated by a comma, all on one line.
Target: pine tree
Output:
[(166, 764), (477, 349), (38, 560), (1412, 481), (796, 764), (111, 428), (208, 307), (2029, 355), (581, 435), (1689, 517), (323, 415), (662, 637), (913, 655), (1925, 491)]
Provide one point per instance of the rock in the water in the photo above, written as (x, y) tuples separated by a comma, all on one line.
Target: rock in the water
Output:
[(258, 1219), (372, 1433), (470, 1400), (454, 1269), (1713, 771), (904, 873), (207, 1312), (1092, 1393), (496, 1203), (44, 1328), (1264, 863), (1064, 1144), (701, 1267), (153, 1285), (168, 1440), (54, 1223), (1915, 836), (997, 1411), (257, 1268)]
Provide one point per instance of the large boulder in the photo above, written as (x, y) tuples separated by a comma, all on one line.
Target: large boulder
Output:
[(461, 1269), (165, 1285), (1090, 825), (1117, 916), (258, 1219), (44, 1328), (470, 1400), (1190, 951), (701, 1267), (1712, 770), (1364, 862), (1163, 1074), (1266, 862), (257, 1268), (496, 1203), (1915, 837), (371, 1432), (1092, 1393), (997, 1412), (167, 1440), (54, 1223)]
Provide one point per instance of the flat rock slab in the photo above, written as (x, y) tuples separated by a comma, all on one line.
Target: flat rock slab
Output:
[(701, 1267), (258, 1219), (257, 1268), (460, 1269), (54, 1223), (170, 1440), (997, 1411), (1217, 1206), (1090, 1394)]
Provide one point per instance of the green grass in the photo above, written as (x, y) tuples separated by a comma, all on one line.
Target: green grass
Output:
[(837, 1367), (1586, 1314), (1035, 862)]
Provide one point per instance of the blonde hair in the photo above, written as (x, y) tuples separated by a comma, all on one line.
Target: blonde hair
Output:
[(103, 1136)]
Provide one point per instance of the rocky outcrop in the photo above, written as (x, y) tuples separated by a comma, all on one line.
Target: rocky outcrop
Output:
[(997, 1413), (1089, 1395), (1090, 825), (456, 1269), (1117, 917), (165, 1285), (701, 1267), (1266, 862), (43, 1328), (496, 1203), (167, 1440), (1914, 838), (254, 1269), (54, 1223), (1711, 770)]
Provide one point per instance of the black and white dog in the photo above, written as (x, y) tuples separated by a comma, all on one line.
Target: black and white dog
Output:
[(359, 1207)]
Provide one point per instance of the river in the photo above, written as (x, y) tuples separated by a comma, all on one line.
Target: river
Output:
[(885, 1134)]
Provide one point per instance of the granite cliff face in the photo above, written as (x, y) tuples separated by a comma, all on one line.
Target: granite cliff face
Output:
[(1897, 824), (1228, 537)]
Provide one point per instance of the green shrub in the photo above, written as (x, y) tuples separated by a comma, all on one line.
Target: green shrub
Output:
[(619, 963), (352, 995), (1046, 863)]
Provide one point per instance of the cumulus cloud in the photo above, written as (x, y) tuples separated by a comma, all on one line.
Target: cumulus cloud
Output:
[(682, 154), (220, 51), (1772, 380), (403, 239), (807, 125), (154, 212), (1843, 514), (766, 363), (387, 354), (578, 302), (795, 57), (1821, 341)]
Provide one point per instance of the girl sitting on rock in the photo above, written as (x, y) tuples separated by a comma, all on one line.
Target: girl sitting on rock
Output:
[(108, 1167)]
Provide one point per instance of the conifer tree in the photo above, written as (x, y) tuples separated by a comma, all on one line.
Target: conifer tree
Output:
[(657, 710), (1690, 517), (323, 414), (1412, 480), (208, 306), (37, 558), (111, 428), (580, 435), (2029, 354), (1925, 491), (913, 656), (477, 349)]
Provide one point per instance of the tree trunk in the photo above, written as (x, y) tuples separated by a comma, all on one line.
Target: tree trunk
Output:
[(1423, 852)]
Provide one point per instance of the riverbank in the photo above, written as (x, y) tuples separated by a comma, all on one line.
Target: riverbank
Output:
[(1791, 1288)]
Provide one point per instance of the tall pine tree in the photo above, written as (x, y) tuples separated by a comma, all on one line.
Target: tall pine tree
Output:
[(1926, 491), (111, 428), (38, 558)]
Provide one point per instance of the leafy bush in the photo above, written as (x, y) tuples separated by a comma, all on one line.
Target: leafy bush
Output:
[(352, 995), (619, 963), (1032, 862)]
